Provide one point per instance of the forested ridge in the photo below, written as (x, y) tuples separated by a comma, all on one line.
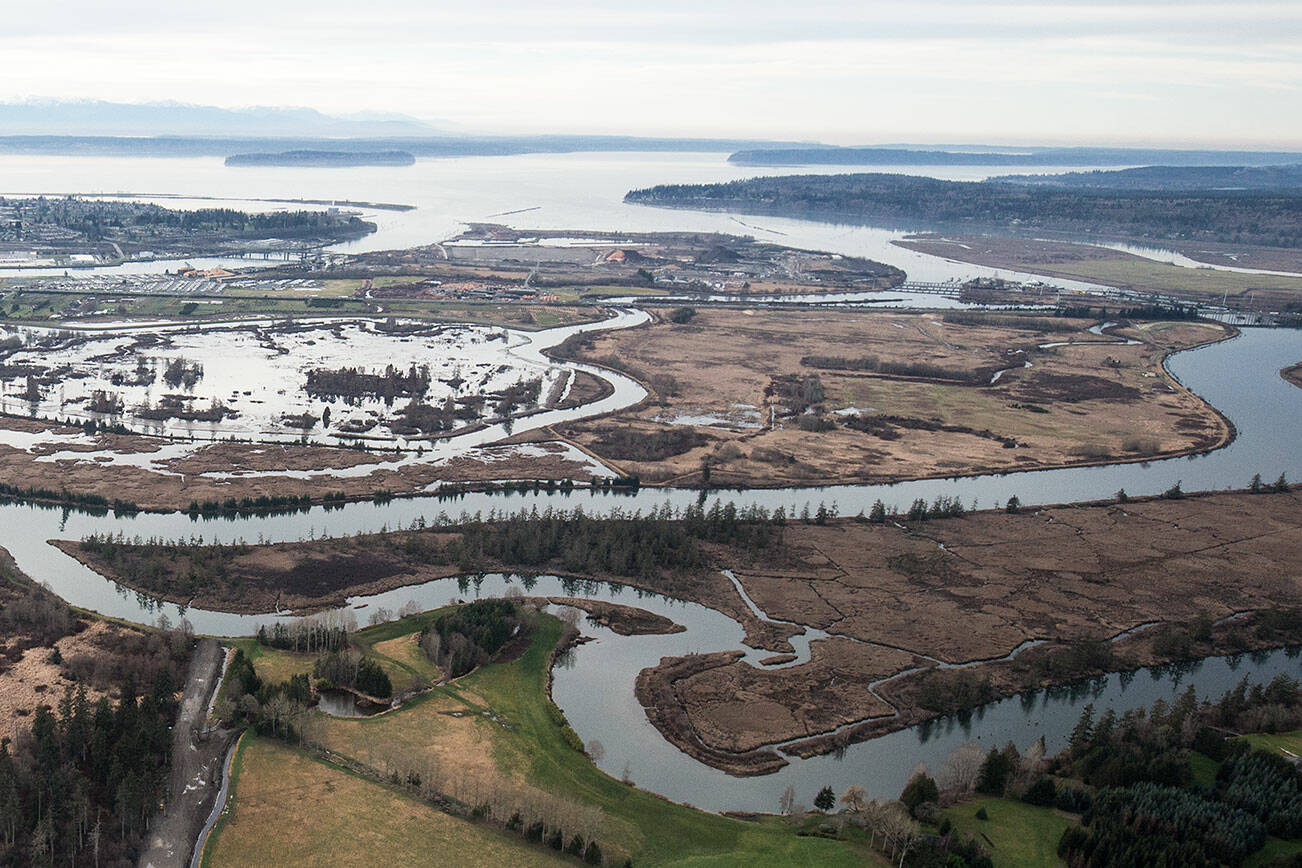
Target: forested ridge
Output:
[(1251, 217)]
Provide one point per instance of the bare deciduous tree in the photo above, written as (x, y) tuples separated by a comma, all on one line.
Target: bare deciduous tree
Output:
[(854, 799), (958, 774), (787, 800)]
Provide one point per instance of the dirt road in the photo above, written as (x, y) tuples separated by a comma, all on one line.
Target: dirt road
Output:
[(196, 766)]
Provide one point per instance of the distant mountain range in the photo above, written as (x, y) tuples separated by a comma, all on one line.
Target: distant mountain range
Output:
[(100, 118), (982, 155), (1276, 178), (422, 146)]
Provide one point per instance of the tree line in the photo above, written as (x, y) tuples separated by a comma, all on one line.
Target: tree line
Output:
[(1252, 217), (80, 787)]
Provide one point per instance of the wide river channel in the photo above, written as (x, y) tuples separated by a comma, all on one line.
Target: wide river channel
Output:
[(594, 682)]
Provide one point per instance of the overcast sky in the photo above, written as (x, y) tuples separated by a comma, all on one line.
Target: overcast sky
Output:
[(1227, 73)]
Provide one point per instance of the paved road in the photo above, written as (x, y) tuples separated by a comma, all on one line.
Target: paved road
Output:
[(196, 766)]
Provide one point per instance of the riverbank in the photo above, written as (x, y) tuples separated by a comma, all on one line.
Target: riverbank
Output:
[(1293, 374)]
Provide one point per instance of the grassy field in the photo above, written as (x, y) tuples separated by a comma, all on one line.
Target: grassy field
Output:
[(1016, 834), (1274, 849), (1107, 266), (290, 809), (497, 727), (1162, 277), (272, 664), (1281, 742), (1203, 770)]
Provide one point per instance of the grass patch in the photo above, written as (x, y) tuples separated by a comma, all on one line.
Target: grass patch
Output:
[(1280, 742), (274, 665), (1019, 835), (290, 809), (1203, 770), (1124, 271), (1275, 848)]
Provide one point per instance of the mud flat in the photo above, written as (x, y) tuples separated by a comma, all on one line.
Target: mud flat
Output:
[(758, 398), (1293, 374), (624, 620)]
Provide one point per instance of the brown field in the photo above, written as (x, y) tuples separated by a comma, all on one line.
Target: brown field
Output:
[(714, 403), (278, 818), (1104, 265)]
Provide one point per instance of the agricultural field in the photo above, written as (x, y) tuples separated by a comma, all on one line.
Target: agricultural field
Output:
[(292, 809)]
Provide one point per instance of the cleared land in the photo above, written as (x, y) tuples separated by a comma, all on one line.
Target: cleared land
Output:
[(562, 264), (1287, 743), (1104, 265), (769, 398), (1102, 588)]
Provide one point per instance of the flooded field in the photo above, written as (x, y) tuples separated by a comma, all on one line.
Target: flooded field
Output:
[(377, 382)]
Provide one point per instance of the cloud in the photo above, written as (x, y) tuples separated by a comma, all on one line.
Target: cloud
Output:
[(854, 70)]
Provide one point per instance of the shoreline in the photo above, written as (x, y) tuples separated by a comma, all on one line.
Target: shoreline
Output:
[(1293, 374)]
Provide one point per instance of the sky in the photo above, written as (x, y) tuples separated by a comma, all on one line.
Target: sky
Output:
[(865, 72)]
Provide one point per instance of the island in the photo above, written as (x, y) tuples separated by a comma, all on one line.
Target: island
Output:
[(323, 159)]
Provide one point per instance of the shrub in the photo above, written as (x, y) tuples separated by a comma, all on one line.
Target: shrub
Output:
[(1042, 793), (920, 790), (994, 773)]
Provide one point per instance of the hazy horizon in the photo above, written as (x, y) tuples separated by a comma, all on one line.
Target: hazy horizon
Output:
[(1150, 73)]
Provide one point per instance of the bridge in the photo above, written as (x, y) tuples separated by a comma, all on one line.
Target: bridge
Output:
[(950, 288)]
